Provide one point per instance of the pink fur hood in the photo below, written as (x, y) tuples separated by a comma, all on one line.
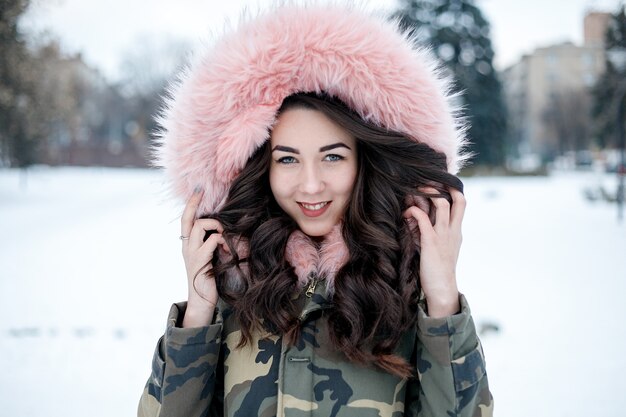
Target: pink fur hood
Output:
[(223, 105)]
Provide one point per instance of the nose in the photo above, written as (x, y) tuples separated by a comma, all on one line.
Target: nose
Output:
[(311, 180)]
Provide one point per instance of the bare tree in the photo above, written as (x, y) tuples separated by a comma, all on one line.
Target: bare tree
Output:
[(147, 68), (567, 116), (18, 128), (150, 63)]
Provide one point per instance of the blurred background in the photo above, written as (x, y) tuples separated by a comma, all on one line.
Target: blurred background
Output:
[(89, 251)]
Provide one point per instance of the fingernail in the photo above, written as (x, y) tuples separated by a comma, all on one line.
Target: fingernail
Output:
[(197, 189)]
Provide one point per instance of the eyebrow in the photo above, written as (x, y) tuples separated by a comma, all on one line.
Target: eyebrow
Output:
[(333, 146), (322, 149), (285, 149)]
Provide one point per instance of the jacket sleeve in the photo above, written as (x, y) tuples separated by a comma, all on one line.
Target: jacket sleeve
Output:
[(184, 365), (452, 380)]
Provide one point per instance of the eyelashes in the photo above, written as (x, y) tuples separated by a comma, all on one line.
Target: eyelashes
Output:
[(287, 160), (333, 158)]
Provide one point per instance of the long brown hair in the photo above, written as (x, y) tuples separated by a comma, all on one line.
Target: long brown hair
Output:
[(376, 292)]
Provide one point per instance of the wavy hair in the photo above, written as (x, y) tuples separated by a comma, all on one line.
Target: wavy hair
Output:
[(377, 290)]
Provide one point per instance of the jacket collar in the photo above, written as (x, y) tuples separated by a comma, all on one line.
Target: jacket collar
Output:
[(313, 262), (317, 261)]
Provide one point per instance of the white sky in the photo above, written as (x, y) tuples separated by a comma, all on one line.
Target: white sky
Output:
[(106, 30)]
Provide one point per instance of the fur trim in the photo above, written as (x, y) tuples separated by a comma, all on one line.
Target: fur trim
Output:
[(333, 254), (324, 261), (302, 255), (224, 104), (308, 259)]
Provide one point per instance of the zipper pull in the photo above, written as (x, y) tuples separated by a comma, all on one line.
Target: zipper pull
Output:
[(311, 289)]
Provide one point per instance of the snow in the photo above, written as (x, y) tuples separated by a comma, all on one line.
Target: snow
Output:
[(90, 263), (550, 268)]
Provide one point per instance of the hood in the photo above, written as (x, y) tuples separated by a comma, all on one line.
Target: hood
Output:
[(223, 105)]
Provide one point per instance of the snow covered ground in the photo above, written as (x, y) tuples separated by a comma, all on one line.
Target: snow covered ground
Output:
[(90, 262)]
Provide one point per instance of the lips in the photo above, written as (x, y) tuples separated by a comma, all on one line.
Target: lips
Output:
[(314, 209)]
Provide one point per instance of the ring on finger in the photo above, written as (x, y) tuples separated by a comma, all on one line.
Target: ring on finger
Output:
[(181, 237)]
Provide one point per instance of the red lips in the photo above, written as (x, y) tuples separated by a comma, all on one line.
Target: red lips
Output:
[(314, 213)]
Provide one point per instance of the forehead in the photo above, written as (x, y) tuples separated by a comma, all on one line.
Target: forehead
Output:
[(302, 127)]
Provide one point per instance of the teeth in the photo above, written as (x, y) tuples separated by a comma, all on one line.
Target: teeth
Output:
[(314, 206)]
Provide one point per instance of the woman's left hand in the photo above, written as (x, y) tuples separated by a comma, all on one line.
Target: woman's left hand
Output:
[(440, 245)]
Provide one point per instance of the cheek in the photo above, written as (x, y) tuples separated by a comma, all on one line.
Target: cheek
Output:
[(346, 187), (274, 183), (278, 184), (349, 177)]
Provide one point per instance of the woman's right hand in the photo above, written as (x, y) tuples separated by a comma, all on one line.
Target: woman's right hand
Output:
[(202, 289)]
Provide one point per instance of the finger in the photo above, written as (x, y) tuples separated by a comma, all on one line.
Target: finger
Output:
[(189, 214), (200, 227), (211, 244), (226, 247), (423, 221), (442, 208), (442, 212), (458, 207), (419, 201), (204, 255)]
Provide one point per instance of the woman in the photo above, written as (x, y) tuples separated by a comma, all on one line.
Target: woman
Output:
[(323, 203)]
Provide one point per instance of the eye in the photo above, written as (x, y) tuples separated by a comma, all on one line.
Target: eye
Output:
[(333, 157), (286, 160)]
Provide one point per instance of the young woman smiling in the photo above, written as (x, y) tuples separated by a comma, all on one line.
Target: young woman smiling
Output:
[(322, 228)]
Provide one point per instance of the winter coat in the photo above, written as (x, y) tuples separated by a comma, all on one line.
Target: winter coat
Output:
[(201, 372)]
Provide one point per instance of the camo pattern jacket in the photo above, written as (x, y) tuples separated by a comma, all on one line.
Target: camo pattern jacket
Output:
[(200, 372)]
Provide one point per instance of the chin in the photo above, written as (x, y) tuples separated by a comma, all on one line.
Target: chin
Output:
[(318, 230)]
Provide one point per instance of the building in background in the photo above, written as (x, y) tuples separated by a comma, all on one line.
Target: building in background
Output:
[(595, 25), (88, 121), (548, 96)]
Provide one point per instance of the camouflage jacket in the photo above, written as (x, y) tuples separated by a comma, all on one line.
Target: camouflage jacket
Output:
[(200, 372)]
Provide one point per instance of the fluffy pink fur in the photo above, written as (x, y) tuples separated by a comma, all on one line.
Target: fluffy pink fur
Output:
[(224, 104), (302, 255), (324, 261)]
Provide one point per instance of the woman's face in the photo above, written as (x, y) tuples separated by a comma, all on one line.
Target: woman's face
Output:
[(313, 168)]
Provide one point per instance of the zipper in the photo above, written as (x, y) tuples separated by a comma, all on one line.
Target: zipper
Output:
[(311, 288)]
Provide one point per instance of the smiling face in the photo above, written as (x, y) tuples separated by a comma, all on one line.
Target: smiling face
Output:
[(313, 168)]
